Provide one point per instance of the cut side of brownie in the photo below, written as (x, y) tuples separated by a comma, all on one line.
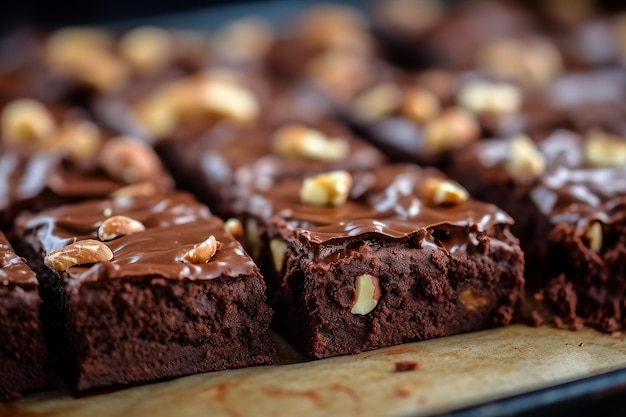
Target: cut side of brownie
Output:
[(160, 292), (23, 353), (384, 257), (566, 193)]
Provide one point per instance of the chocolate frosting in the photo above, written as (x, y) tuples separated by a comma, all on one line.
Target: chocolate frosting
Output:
[(384, 203), (174, 223), (568, 191), (13, 269)]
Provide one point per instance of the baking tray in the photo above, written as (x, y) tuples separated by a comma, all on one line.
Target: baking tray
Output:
[(482, 373), (513, 371)]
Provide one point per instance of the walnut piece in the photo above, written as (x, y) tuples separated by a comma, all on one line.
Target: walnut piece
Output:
[(452, 129), (484, 97), (81, 139), (377, 102), (86, 55), (328, 189), (441, 191), (141, 189), (202, 252), (605, 150), (229, 100), (367, 294), (420, 105), (86, 251), (147, 49), (234, 227), (301, 142), (525, 159), (129, 160), (119, 226), (26, 121), (471, 300), (534, 61)]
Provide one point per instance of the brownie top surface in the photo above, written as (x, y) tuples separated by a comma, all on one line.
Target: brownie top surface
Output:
[(387, 203), (74, 158), (248, 155), (13, 269), (174, 224), (583, 176)]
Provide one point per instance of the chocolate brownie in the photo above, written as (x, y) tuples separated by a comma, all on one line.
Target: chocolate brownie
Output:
[(407, 118), (399, 255), (222, 163), (161, 292), (23, 353), (55, 154), (566, 194)]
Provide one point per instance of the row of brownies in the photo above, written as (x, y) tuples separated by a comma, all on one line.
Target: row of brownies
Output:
[(323, 168)]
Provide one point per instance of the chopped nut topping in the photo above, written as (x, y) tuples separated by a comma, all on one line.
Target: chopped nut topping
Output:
[(234, 227), (202, 252), (86, 54), (147, 49), (299, 141), (534, 61), (119, 226), (604, 150), (525, 159), (230, 100), (339, 75), (81, 139), (594, 236), (245, 39), (135, 190), (367, 294), (158, 114), (420, 105), (278, 248), (483, 97), (329, 189), (453, 129), (440, 191), (334, 27), (79, 253), (377, 102), (129, 160), (26, 121)]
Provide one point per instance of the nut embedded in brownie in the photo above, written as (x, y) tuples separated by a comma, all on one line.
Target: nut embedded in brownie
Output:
[(382, 257), (566, 194), (139, 288)]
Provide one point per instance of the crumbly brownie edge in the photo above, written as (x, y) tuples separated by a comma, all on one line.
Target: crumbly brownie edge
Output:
[(425, 293)]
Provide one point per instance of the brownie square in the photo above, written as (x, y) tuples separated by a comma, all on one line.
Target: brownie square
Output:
[(566, 194), (226, 161), (23, 353), (55, 154), (390, 265), (151, 311)]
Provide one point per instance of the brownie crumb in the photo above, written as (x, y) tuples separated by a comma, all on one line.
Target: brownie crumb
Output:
[(404, 366)]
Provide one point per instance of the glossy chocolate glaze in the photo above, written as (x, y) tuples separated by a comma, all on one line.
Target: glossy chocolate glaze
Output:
[(569, 191), (33, 177), (13, 269), (174, 224), (384, 204)]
